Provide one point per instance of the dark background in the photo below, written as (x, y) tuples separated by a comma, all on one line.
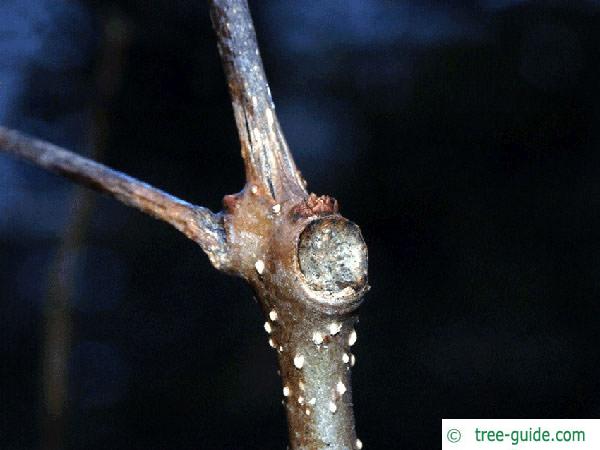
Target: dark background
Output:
[(462, 136)]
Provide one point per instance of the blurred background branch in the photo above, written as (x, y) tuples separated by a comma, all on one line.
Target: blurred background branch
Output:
[(64, 269)]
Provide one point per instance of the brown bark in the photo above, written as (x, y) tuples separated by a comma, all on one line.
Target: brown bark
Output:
[(306, 263), (276, 234), (197, 223)]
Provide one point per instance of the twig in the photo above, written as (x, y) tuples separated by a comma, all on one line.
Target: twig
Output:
[(267, 159), (197, 223), (306, 263)]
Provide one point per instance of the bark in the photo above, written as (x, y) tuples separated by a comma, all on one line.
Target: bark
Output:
[(306, 263), (267, 159), (197, 223)]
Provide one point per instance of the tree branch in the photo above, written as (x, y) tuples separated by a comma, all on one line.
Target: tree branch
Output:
[(197, 223), (267, 158), (306, 263)]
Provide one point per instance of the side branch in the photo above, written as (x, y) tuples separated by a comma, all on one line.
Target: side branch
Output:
[(267, 159), (197, 223)]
